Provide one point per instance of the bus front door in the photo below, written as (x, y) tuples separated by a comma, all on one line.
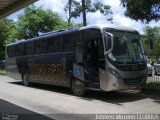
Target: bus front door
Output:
[(91, 63)]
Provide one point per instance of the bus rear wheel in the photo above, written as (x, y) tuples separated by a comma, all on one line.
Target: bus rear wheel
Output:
[(78, 87), (26, 78)]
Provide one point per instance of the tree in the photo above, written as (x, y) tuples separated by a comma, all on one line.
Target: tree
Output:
[(66, 25), (144, 10), (36, 21), (72, 8), (6, 26), (63, 25), (153, 33), (75, 8), (84, 12)]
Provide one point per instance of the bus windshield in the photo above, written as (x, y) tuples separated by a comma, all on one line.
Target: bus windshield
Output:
[(127, 47)]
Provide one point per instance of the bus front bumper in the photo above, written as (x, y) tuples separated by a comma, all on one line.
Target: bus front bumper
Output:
[(128, 80)]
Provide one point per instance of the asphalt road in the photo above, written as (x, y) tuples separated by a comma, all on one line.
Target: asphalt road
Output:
[(11, 111), (59, 103)]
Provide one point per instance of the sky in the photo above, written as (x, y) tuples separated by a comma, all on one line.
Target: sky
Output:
[(94, 18)]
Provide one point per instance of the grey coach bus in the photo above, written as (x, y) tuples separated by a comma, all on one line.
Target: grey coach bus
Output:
[(92, 57)]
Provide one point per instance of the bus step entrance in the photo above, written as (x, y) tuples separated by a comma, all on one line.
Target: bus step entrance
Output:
[(94, 85), (95, 79)]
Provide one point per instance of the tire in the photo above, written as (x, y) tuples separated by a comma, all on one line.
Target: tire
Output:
[(26, 78), (78, 87)]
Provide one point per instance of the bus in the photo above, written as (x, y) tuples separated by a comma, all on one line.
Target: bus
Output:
[(95, 57)]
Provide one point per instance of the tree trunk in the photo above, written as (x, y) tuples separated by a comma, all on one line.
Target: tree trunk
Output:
[(70, 5), (84, 13)]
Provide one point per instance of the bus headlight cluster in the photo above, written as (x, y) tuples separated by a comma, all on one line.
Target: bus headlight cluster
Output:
[(114, 72)]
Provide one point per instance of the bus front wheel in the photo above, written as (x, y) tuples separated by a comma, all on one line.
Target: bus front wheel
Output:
[(26, 78), (78, 87)]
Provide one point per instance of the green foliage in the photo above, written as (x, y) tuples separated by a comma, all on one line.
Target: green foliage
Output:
[(32, 23), (6, 26), (152, 88), (2, 72), (144, 10), (153, 33), (74, 8), (36, 21), (12, 37), (63, 25), (66, 25), (78, 25)]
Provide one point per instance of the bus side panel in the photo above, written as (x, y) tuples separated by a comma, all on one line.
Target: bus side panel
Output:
[(69, 65), (51, 69), (12, 68), (22, 64)]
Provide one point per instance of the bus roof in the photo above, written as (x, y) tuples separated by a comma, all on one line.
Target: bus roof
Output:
[(71, 30), (46, 35), (101, 26)]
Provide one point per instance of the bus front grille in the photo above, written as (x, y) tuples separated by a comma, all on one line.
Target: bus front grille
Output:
[(131, 81)]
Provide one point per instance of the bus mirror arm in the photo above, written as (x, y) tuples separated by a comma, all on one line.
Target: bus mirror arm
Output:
[(108, 50)]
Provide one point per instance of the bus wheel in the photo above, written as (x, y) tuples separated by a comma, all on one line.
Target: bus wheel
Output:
[(26, 78), (78, 87)]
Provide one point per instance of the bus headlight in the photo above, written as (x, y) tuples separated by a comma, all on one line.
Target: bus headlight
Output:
[(114, 72)]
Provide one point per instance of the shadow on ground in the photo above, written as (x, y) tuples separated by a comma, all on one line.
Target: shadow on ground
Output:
[(117, 98), (9, 111)]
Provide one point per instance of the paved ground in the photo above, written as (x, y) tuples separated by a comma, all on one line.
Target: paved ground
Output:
[(154, 78), (10, 111), (59, 103)]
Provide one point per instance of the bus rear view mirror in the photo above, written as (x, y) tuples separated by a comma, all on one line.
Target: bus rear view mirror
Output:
[(108, 39)]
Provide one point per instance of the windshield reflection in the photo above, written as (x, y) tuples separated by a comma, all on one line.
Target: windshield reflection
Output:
[(126, 47)]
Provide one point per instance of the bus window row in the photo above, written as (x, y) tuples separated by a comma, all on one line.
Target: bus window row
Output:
[(43, 46)]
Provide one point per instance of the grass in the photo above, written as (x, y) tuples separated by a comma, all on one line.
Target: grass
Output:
[(2, 72), (152, 88)]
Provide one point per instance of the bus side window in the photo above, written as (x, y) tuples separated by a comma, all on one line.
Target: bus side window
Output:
[(20, 50), (40, 47), (77, 47), (54, 44), (78, 55), (95, 35), (101, 48), (67, 43), (75, 38), (29, 48), (11, 51), (93, 48)]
